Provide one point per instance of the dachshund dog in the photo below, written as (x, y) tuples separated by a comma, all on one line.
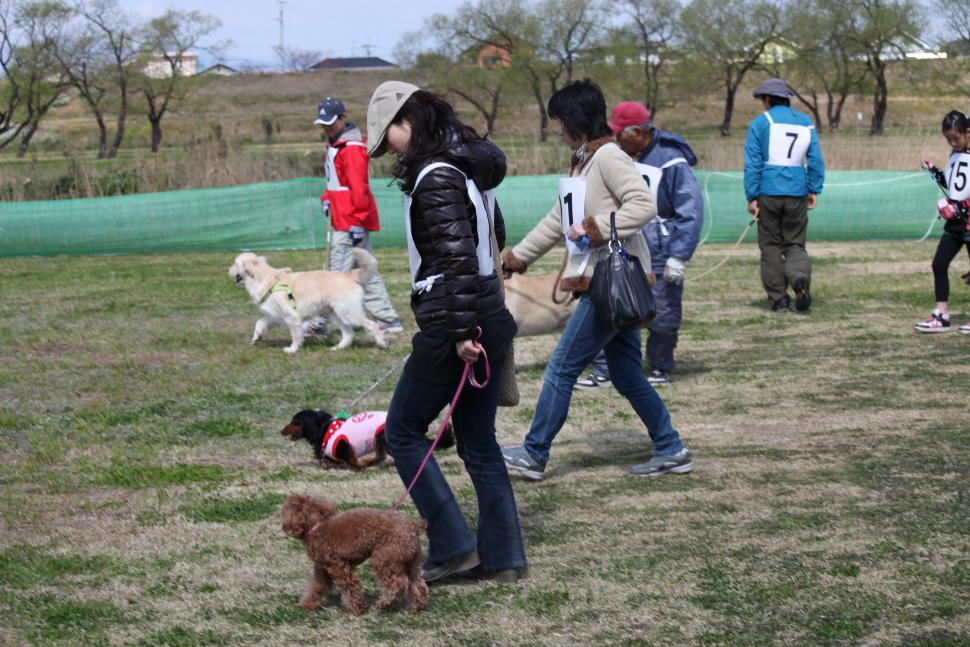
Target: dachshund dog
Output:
[(337, 543), (348, 441)]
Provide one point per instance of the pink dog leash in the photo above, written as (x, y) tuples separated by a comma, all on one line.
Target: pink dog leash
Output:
[(467, 375)]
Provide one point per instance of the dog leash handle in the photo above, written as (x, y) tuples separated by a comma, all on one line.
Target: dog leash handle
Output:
[(468, 375)]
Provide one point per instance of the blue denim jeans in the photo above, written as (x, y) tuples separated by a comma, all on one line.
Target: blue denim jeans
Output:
[(414, 406), (664, 330), (585, 335)]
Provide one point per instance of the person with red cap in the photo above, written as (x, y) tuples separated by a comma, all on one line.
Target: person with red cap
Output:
[(352, 209), (664, 159)]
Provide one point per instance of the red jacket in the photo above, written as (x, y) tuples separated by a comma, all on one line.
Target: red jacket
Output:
[(348, 185)]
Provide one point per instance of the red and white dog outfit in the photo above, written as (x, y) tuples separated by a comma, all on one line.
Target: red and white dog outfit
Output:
[(358, 431)]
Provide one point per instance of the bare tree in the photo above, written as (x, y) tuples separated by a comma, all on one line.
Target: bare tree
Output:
[(826, 67), (508, 27), (32, 76), (955, 18), (84, 57), (543, 44), (297, 60), (727, 39), (654, 24), (113, 30), (11, 93), (460, 74), (567, 29), (170, 37), (880, 30)]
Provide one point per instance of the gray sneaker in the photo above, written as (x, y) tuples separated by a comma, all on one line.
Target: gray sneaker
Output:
[(517, 459), (391, 326), (679, 463)]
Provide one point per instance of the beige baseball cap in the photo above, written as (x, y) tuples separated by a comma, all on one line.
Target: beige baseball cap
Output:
[(384, 106)]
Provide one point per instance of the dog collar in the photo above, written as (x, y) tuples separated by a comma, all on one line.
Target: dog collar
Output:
[(332, 429)]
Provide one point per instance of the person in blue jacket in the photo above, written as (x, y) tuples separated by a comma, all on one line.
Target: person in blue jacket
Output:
[(665, 160), (783, 175)]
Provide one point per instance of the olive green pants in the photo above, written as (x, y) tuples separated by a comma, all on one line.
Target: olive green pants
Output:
[(782, 229)]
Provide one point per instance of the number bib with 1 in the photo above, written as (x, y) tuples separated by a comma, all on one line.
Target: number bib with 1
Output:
[(958, 188)]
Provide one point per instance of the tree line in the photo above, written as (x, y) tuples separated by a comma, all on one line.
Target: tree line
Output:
[(49, 48), (828, 50)]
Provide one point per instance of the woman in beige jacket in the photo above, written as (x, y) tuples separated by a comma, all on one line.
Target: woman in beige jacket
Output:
[(602, 179)]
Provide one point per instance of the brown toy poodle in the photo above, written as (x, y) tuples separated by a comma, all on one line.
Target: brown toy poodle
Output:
[(337, 543)]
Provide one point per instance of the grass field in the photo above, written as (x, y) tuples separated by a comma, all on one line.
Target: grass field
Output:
[(142, 469)]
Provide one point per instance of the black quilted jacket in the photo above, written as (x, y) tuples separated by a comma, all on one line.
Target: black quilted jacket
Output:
[(443, 225)]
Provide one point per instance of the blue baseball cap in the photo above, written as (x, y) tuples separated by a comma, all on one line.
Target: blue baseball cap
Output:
[(328, 112)]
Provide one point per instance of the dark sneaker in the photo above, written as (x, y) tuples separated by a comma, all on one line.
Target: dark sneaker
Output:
[(938, 322), (517, 459), (315, 328), (782, 305), (679, 463), (592, 382), (459, 564), (656, 377), (803, 299), (391, 326), (507, 576)]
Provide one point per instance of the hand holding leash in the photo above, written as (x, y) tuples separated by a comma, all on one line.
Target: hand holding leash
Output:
[(468, 350), (467, 375)]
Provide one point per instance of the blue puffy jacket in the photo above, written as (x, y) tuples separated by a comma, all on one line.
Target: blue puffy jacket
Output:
[(762, 178), (680, 207)]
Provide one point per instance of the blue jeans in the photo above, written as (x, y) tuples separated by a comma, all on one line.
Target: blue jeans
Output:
[(585, 335), (414, 406), (664, 330)]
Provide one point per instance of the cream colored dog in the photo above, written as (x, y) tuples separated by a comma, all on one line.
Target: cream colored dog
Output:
[(291, 298), (529, 299)]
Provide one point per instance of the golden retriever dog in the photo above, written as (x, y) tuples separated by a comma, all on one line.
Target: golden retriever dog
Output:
[(290, 298), (529, 299)]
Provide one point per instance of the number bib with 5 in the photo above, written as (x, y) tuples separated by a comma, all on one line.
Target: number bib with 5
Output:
[(956, 176)]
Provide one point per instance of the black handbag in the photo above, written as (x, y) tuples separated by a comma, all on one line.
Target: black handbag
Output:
[(619, 289)]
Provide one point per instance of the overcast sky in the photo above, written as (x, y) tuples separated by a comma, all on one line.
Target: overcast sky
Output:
[(335, 29)]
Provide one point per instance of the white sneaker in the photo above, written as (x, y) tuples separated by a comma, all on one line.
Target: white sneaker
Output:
[(965, 328), (938, 322), (592, 382)]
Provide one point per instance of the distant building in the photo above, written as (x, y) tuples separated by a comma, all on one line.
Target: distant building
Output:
[(219, 69), (361, 63), (159, 67)]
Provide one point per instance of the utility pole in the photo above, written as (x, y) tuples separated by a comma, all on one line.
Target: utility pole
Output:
[(282, 3), (367, 48)]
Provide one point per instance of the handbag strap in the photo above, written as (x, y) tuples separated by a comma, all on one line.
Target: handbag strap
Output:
[(614, 239)]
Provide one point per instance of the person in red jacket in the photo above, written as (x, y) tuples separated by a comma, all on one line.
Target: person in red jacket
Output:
[(351, 205)]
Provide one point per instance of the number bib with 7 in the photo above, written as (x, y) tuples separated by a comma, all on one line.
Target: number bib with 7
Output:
[(787, 143), (956, 176)]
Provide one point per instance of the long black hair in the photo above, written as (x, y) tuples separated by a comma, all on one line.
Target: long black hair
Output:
[(434, 129), (956, 120), (581, 109)]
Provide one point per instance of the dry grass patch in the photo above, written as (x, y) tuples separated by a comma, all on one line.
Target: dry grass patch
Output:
[(142, 469)]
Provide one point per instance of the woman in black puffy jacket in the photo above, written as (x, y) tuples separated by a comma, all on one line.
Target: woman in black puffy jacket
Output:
[(447, 172)]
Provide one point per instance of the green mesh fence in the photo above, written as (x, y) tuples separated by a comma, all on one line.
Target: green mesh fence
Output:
[(856, 205)]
